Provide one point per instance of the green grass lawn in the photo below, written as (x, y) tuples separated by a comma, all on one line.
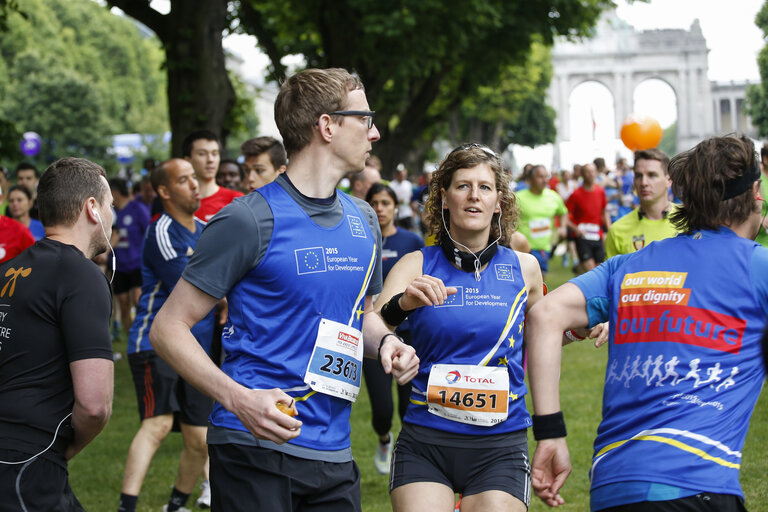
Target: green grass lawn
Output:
[(96, 474)]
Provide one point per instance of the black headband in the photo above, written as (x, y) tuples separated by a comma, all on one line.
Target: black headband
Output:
[(740, 184)]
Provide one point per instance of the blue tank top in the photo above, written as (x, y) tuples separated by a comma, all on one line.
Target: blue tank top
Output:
[(684, 366), (482, 324), (308, 273)]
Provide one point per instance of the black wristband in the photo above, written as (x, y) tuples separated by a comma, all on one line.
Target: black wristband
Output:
[(392, 313), (381, 342), (549, 426)]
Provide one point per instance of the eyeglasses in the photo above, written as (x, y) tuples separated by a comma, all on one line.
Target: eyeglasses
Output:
[(367, 114)]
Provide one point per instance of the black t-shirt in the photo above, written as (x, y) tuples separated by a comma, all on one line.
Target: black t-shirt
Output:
[(55, 306)]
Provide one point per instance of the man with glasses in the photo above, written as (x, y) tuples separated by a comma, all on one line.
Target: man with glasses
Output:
[(300, 289)]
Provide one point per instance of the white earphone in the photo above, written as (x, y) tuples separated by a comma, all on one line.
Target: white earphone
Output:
[(104, 231)]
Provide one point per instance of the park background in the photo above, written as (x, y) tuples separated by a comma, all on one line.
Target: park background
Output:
[(79, 73)]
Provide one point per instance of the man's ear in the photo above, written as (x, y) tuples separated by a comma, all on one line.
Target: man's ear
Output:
[(324, 127), (162, 192)]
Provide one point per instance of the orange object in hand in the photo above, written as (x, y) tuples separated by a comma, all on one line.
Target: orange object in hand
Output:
[(290, 410), (641, 132)]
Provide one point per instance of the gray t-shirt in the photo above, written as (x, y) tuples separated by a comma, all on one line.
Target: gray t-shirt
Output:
[(236, 238)]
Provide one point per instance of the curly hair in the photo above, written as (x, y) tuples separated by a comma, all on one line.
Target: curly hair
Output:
[(467, 156), (700, 177)]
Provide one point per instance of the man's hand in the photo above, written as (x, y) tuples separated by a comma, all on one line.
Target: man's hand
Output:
[(551, 467), (257, 410), (600, 332), (399, 359)]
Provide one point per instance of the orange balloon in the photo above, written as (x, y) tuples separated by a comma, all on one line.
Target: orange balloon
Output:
[(641, 132)]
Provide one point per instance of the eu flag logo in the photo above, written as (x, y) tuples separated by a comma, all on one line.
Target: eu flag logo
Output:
[(356, 226), (457, 299), (310, 260), (504, 272)]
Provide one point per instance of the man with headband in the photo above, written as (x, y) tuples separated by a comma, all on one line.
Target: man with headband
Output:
[(686, 319)]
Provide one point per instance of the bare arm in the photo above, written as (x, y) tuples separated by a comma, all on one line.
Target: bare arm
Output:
[(562, 309), (93, 382), (606, 219), (563, 229), (532, 277), (172, 339)]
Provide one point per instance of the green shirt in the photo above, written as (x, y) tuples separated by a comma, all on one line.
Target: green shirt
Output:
[(762, 235), (631, 233), (536, 214)]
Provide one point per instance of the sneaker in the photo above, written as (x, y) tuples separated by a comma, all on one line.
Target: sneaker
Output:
[(182, 509), (383, 456), (204, 501)]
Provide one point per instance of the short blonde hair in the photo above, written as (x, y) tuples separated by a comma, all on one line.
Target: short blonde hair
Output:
[(307, 95)]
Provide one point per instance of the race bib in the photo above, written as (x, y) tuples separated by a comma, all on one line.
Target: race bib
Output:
[(591, 231), (336, 364), (540, 228), (476, 395)]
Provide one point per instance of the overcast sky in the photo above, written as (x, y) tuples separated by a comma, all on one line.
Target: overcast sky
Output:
[(728, 26)]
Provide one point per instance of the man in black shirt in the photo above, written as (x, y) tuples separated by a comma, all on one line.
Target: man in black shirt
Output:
[(56, 369)]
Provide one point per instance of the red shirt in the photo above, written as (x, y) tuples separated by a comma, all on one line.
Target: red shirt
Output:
[(210, 205), (586, 206), (553, 181), (14, 238)]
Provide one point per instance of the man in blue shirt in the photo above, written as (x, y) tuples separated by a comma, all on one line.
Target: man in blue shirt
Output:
[(162, 395), (299, 263), (686, 318)]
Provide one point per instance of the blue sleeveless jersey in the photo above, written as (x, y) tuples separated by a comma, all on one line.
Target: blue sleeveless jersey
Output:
[(481, 324), (308, 273), (167, 248), (684, 365)]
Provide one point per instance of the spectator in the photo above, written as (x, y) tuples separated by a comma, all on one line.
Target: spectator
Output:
[(201, 149), (19, 204), (230, 175)]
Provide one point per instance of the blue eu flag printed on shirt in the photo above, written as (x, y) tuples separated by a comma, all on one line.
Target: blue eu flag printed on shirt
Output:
[(310, 260), (356, 226), (504, 272), (457, 299)]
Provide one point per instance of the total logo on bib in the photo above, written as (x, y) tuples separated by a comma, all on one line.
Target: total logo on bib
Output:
[(476, 395)]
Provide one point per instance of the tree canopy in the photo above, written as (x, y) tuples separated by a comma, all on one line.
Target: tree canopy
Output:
[(77, 74), (420, 60), (424, 62)]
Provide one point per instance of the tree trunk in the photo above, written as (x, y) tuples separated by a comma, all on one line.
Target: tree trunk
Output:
[(200, 95)]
